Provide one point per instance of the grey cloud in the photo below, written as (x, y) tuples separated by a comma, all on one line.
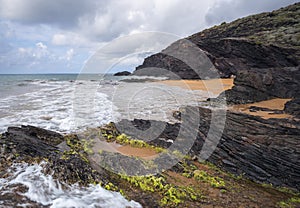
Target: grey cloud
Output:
[(63, 13), (229, 10), (102, 21)]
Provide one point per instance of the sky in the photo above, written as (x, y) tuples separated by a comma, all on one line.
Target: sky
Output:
[(62, 36)]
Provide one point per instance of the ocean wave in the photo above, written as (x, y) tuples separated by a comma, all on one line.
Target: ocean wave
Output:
[(56, 102), (43, 190)]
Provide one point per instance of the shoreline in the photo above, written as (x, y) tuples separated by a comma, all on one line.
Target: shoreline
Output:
[(272, 108), (267, 109), (215, 86)]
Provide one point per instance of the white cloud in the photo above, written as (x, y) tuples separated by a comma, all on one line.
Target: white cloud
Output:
[(70, 53), (40, 51), (74, 40), (41, 46), (59, 39)]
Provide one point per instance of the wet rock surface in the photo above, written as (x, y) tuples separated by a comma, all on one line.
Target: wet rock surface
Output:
[(67, 162)]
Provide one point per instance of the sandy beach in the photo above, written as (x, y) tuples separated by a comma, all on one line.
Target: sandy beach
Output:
[(273, 105), (215, 86)]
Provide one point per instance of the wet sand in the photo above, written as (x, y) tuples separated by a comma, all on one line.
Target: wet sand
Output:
[(144, 153), (215, 86), (273, 104), (127, 150)]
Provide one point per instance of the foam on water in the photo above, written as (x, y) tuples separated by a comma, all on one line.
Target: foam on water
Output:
[(51, 107), (44, 190), (68, 106)]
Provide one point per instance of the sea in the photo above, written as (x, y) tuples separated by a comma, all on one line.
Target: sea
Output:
[(68, 103)]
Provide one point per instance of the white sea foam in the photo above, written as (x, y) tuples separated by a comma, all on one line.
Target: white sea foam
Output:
[(52, 107), (44, 190), (66, 106)]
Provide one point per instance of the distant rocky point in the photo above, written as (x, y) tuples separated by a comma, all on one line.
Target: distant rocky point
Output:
[(123, 73)]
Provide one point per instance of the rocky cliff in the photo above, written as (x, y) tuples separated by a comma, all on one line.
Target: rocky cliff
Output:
[(267, 40), (262, 51)]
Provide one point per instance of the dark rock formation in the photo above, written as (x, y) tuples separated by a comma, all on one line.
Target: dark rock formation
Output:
[(33, 144), (30, 141), (293, 107), (244, 148), (161, 65), (123, 73), (262, 84), (267, 40), (265, 151)]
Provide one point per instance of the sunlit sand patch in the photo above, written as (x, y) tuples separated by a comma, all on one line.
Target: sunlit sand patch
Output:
[(144, 153), (127, 150), (273, 105), (215, 86)]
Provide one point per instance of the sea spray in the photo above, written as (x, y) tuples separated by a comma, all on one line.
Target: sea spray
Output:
[(44, 190)]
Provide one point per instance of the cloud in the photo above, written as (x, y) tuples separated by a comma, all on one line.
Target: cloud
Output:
[(119, 18), (59, 39), (73, 39), (38, 52), (69, 54), (102, 21), (63, 13), (84, 21), (229, 10), (49, 34)]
